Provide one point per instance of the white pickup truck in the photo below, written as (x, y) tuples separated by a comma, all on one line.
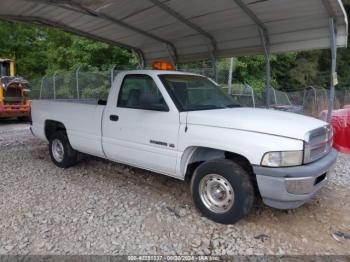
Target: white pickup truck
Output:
[(182, 125)]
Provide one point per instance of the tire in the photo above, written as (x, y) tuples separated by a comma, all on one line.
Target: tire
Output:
[(61, 152), (233, 196), (24, 119)]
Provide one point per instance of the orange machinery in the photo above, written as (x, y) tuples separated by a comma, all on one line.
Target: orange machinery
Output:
[(13, 99)]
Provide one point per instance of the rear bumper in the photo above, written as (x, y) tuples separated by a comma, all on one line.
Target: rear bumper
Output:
[(290, 187), (15, 110)]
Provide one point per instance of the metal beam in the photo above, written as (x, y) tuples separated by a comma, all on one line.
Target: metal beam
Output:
[(41, 87), (265, 41), (77, 82), (42, 21), (333, 44), (265, 44), (334, 80), (74, 6), (251, 14), (140, 59), (329, 9), (190, 24), (229, 82)]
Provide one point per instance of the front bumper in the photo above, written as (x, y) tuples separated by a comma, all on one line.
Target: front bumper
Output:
[(290, 187)]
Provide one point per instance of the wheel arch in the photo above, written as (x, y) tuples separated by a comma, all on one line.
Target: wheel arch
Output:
[(52, 126), (195, 155)]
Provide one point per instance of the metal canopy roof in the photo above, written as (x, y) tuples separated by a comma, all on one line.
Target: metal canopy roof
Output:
[(189, 30)]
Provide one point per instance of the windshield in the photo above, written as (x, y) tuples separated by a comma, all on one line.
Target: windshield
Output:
[(191, 93)]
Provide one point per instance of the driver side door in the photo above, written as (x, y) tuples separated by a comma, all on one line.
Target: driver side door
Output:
[(140, 129)]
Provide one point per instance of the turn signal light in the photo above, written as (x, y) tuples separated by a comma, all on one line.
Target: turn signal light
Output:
[(161, 65)]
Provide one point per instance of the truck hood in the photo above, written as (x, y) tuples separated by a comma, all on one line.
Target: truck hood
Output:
[(257, 120)]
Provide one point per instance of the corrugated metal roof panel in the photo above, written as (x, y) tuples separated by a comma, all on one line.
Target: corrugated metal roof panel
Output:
[(190, 28)]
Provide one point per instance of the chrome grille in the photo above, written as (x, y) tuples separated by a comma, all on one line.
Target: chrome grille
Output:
[(318, 143)]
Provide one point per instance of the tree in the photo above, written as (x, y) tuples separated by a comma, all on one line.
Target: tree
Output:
[(39, 51)]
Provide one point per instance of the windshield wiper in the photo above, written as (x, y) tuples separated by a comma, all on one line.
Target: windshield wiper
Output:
[(204, 107)]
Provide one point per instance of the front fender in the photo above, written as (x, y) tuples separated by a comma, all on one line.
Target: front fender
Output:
[(251, 145)]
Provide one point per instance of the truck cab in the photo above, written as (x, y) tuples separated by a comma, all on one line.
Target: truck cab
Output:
[(183, 125)]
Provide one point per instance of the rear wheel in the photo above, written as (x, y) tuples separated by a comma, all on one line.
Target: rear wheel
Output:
[(222, 191), (61, 152)]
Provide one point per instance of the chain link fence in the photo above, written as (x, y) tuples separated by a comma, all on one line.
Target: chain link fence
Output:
[(95, 85), (73, 85)]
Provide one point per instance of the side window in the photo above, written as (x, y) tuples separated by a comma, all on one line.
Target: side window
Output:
[(141, 92)]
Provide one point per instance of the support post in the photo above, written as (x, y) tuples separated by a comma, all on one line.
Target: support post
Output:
[(77, 82), (253, 97), (54, 85), (265, 43), (334, 78), (215, 69), (140, 58), (173, 57), (112, 74), (230, 71), (41, 87)]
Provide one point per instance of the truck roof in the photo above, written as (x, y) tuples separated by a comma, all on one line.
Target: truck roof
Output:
[(157, 72)]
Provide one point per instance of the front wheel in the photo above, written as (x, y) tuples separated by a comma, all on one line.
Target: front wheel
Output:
[(61, 152), (24, 119), (222, 191)]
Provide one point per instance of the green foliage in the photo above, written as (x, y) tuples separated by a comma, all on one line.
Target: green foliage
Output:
[(302, 69), (250, 69), (39, 51), (23, 43)]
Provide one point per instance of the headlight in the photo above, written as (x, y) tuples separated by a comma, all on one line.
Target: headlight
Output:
[(282, 159)]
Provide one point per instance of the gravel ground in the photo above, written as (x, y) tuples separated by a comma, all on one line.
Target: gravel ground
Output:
[(100, 207)]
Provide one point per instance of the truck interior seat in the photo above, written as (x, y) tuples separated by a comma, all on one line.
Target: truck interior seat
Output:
[(133, 98), (148, 98), (180, 92)]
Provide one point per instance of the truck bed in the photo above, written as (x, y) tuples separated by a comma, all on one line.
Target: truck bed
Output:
[(81, 118), (76, 101)]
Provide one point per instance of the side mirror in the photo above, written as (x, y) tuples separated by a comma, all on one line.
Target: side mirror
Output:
[(102, 102)]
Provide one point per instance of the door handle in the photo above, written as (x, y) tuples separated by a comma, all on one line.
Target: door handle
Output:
[(114, 118)]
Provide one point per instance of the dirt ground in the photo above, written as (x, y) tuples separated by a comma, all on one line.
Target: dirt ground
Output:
[(100, 207)]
